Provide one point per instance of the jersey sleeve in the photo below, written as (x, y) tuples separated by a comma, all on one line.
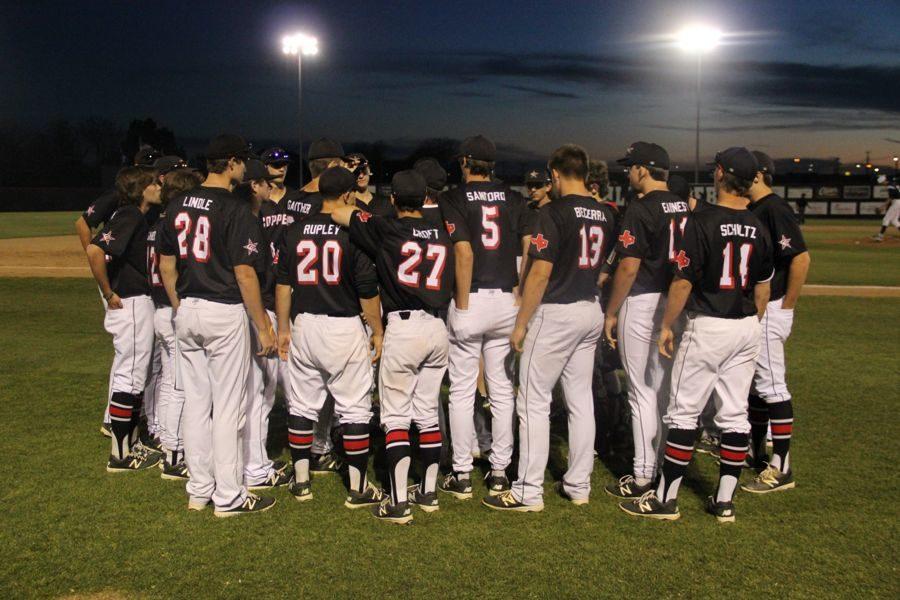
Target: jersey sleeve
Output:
[(454, 218), (244, 240), (101, 210), (284, 268), (114, 238), (785, 233), (692, 254), (637, 230), (166, 239), (365, 231), (545, 239), (765, 260), (364, 276)]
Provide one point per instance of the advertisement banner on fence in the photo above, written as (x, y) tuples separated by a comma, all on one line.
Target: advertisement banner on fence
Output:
[(843, 208), (829, 193), (813, 208), (870, 208), (800, 192), (857, 192), (880, 191)]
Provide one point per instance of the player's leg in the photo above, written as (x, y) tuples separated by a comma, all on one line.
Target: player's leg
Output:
[(465, 352), (171, 400), (149, 432), (324, 459), (259, 472)]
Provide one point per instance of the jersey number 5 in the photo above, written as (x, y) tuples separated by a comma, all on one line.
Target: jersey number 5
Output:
[(308, 252), (490, 238), (726, 282), (200, 247), (406, 271)]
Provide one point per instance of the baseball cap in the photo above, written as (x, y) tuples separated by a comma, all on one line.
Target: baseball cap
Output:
[(478, 147), (170, 162), (325, 148), (738, 161), (146, 156), (275, 156), (434, 174), (256, 170), (679, 186), (766, 164), (537, 176), (227, 145), (409, 185), (645, 154), (336, 181)]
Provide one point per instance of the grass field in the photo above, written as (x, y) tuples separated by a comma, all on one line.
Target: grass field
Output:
[(37, 224), (70, 529)]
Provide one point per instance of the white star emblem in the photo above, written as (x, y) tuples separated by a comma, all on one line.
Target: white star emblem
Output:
[(533, 174), (90, 210), (784, 242), (107, 237), (250, 247)]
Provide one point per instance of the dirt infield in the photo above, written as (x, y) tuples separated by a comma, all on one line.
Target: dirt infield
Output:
[(61, 256)]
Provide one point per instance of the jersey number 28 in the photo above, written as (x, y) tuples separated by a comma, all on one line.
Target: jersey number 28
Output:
[(200, 246)]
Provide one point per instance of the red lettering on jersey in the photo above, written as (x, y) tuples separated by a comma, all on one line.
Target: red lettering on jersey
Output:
[(627, 239), (363, 216), (451, 227), (540, 242), (682, 260)]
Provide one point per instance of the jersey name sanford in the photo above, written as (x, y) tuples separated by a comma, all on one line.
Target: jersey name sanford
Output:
[(479, 196), (321, 229), (593, 214), (738, 230), (198, 203), (674, 207), (425, 234)]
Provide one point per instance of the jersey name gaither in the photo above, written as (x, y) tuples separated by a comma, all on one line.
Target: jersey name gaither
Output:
[(674, 207), (480, 196), (298, 206), (737, 230)]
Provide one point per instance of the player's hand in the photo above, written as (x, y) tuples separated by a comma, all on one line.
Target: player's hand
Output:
[(375, 344), (267, 342), (609, 328), (284, 344), (114, 302), (666, 342), (516, 339), (602, 279)]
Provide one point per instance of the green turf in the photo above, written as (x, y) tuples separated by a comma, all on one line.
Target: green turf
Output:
[(70, 528), (32, 224)]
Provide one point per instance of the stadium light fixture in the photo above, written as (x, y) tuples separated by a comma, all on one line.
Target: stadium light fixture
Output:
[(698, 39), (300, 45)]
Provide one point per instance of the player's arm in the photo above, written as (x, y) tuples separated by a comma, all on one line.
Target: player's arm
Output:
[(342, 214), (679, 291), (797, 274), (248, 282), (371, 308), (532, 294), (283, 313), (84, 232), (97, 261), (463, 258), (624, 278), (168, 271), (761, 293)]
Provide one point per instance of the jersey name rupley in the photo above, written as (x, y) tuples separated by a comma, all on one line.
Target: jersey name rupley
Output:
[(479, 196), (425, 234), (594, 214), (674, 207), (737, 229), (276, 219), (198, 203), (299, 207), (321, 229)]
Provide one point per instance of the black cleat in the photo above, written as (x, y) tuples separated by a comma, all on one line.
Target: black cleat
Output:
[(393, 513), (627, 488), (453, 485), (252, 504), (136, 461), (368, 497), (274, 480), (324, 464), (561, 490), (496, 485), (427, 502), (771, 479), (507, 502), (176, 472), (649, 506), (301, 491), (723, 511), (281, 466)]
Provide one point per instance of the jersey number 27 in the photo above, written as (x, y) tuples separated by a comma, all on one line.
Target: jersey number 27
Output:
[(407, 272)]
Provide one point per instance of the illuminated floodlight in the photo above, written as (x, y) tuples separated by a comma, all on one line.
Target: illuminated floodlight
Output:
[(300, 43), (698, 39)]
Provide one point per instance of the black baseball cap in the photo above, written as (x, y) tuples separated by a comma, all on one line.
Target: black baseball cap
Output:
[(168, 163), (146, 156), (645, 154), (409, 185), (478, 147), (336, 181), (256, 170), (275, 156), (738, 161), (434, 174), (325, 148), (766, 164), (679, 186), (228, 145), (537, 176)]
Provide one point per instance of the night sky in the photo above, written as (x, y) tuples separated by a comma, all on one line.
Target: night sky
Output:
[(818, 78)]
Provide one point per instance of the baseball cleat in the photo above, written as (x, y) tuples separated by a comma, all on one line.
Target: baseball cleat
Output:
[(132, 462), (771, 479), (324, 464), (507, 502), (627, 488), (496, 485), (150, 442), (561, 490), (393, 513), (141, 449), (197, 504), (649, 506), (105, 431), (280, 466), (427, 502), (723, 511), (708, 444), (369, 496), (878, 237), (251, 504), (274, 480), (176, 472), (453, 485), (301, 491)]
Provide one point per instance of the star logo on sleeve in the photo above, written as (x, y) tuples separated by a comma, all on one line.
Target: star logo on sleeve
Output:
[(90, 210), (250, 247), (451, 227), (107, 237), (682, 260), (784, 242), (540, 242), (363, 216), (533, 175), (627, 239)]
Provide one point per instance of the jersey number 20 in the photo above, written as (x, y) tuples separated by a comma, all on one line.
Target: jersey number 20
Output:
[(308, 253), (406, 271)]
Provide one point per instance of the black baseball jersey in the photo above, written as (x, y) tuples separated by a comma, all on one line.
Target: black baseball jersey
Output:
[(299, 205), (651, 231), (210, 231), (378, 205), (575, 233), (157, 289), (724, 253), (328, 273), (432, 214), (787, 240), (413, 258), (493, 219), (101, 210), (124, 240)]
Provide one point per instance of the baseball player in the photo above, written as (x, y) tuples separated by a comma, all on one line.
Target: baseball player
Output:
[(891, 210), (332, 281), (170, 403), (487, 222), (724, 266), (117, 257), (538, 184), (435, 182), (564, 321), (209, 250), (376, 204), (415, 266), (770, 399), (650, 233)]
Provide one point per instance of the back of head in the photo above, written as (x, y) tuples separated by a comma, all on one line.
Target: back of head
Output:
[(408, 189), (335, 182), (178, 182), (766, 166), (322, 153), (570, 161), (480, 154), (598, 173), (679, 186), (739, 168), (434, 174), (131, 183)]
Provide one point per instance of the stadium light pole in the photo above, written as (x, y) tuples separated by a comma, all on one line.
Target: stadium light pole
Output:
[(698, 40), (300, 44)]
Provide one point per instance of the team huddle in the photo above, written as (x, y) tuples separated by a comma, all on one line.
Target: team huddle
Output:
[(220, 290)]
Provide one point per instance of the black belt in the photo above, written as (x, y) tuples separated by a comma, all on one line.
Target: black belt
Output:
[(406, 314), (478, 288)]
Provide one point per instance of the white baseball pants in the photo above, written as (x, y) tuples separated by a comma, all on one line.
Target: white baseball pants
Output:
[(482, 329), (214, 344), (413, 362), (330, 355), (261, 383), (892, 215), (152, 389), (170, 404), (559, 345), (769, 381), (714, 355), (132, 329)]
